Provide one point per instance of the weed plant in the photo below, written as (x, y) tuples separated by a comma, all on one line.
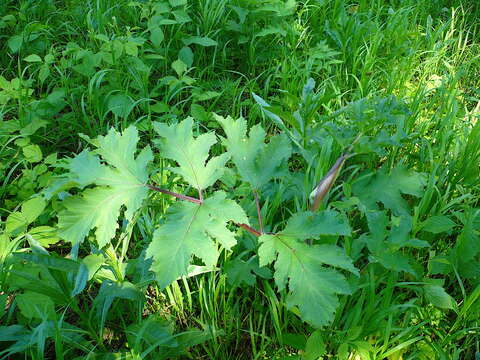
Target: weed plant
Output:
[(239, 179)]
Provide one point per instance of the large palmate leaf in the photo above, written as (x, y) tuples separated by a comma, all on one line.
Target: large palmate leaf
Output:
[(388, 189), (312, 286), (256, 162), (388, 237), (191, 153), (120, 181), (191, 230)]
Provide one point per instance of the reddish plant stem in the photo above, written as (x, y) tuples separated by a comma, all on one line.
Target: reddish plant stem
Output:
[(178, 196), (199, 202), (259, 213), (250, 229)]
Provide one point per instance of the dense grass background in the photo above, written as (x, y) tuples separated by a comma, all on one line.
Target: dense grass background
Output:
[(71, 67)]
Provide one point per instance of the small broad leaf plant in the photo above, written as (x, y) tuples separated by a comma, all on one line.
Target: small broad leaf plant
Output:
[(114, 180)]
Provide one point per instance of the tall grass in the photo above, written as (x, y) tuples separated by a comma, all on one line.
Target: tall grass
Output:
[(107, 71)]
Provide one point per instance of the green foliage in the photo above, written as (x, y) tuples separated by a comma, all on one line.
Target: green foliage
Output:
[(388, 238), (19, 220), (387, 189), (301, 265), (190, 230), (240, 272), (208, 245), (120, 182), (191, 154), (256, 162)]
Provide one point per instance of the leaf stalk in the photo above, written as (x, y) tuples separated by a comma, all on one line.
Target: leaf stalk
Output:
[(177, 195), (250, 229), (259, 213), (200, 202)]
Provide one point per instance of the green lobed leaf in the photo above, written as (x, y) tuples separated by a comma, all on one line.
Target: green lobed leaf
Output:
[(84, 168), (121, 183), (388, 189), (387, 237), (178, 144), (190, 229), (312, 287), (256, 161)]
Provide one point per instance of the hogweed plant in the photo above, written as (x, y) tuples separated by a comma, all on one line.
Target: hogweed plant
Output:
[(203, 185), (221, 238), (115, 179), (216, 197)]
